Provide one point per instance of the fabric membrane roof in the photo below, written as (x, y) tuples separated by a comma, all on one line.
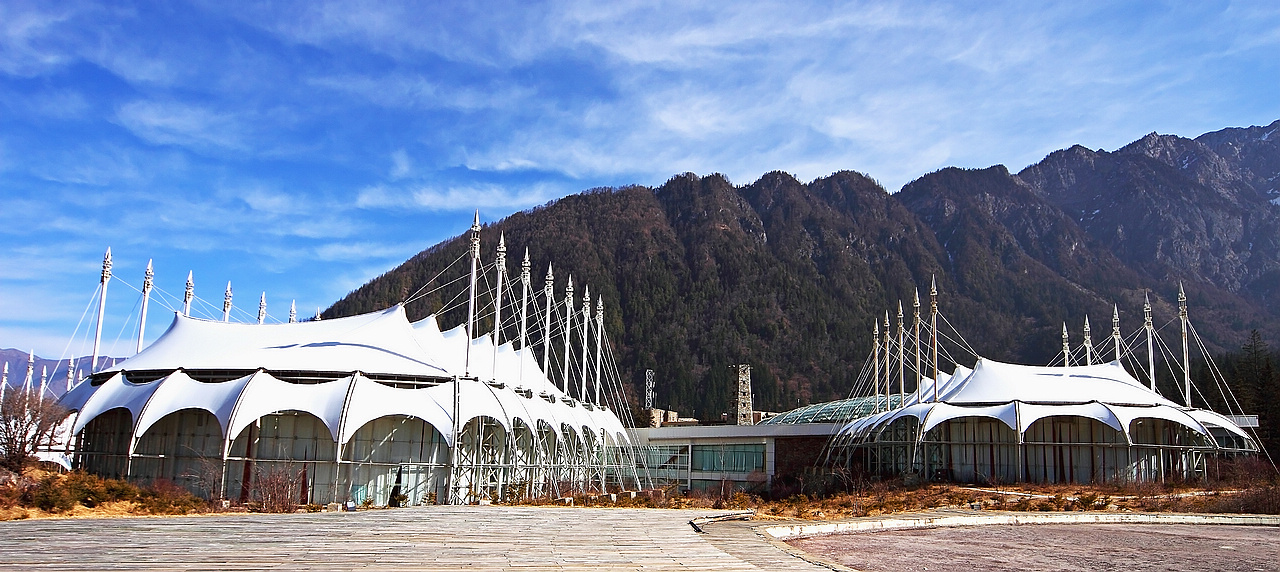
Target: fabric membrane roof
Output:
[(1020, 395), (377, 343)]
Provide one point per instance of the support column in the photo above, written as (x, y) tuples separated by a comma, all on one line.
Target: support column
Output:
[(1186, 350), (568, 333), (524, 314), (1147, 325), (501, 261), (586, 329), (915, 304), (262, 308), (875, 359), (902, 359), (547, 293), (146, 297), (471, 292), (887, 366), (102, 308), (933, 332), (599, 343)]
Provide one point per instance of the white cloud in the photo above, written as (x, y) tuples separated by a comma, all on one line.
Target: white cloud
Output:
[(178, 123), (364, 251), (27, 43), (401, 167), (456, 198)]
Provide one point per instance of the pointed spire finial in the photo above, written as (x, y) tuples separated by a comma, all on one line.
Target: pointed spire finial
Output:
[(1066, 347), (1086, 324), (188, 295), (293, 311), (475, 226), (524, 268), (1182, 301), (106, 266), (317, 313), (262, 308), (148, 275), (226, 303), (915, 303), (501, 260)]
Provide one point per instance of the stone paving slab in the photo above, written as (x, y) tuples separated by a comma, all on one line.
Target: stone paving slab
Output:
[(427, 538)]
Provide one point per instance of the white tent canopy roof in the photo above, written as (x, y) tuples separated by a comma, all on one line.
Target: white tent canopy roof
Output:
[(1020, 395), (380, 343)]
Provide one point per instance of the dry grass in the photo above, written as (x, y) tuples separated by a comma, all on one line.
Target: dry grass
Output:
[(38, 493)]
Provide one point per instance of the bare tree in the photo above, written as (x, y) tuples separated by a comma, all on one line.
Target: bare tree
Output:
[(276, 487), (27, 423)]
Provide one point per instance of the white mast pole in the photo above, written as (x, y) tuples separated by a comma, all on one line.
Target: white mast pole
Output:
[(524, 312), (548, 291), (262, 308), (902, 359), (31, 368), (887, 358), (1186, 351), (1151, 356), (4, 381), (317, 313), (1115, 328), (599, 342), (875, 359), (1088, 343), (146, 297), (71, 373), (44, 381), (1066, 347), (933, 332), (471, 296), (501, 261), (586, 331), (293, 311), (919, 373), (226, 303), (568, 333), (188, 295), (102, 308)]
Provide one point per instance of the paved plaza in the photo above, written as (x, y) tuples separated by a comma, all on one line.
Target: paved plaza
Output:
[(558, 538), (426, 538)]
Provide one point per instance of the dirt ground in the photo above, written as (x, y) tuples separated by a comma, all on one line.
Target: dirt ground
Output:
[(1071, 547)]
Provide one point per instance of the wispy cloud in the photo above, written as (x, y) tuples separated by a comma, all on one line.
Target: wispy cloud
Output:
[(303, 148), (455, 198), (177, 123)]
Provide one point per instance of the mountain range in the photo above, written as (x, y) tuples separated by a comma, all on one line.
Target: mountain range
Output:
[(791, 277)]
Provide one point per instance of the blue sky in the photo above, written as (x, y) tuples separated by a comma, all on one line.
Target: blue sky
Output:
[(303, 148)]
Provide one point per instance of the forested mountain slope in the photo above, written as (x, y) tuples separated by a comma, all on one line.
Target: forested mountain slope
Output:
[(698, 274)]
